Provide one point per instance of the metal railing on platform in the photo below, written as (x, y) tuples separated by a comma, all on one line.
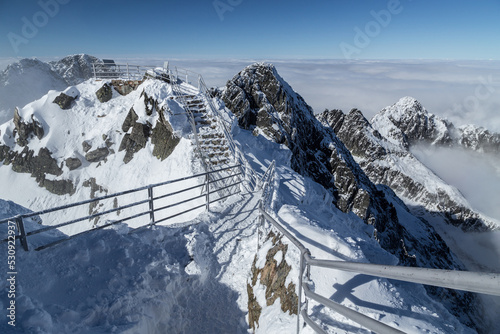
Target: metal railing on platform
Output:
[(486, 283), (207, 196)]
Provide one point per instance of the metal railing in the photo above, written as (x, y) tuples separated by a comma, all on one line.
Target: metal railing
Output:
[(207, 196), (249, 174), (122, 71), (486, 283)]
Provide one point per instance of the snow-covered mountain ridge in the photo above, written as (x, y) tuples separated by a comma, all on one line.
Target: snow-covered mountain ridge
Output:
[(382, 149), (29, 79), (343, 213)]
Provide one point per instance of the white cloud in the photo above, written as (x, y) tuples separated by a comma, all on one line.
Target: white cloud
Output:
[(463, 91), (476, 175)]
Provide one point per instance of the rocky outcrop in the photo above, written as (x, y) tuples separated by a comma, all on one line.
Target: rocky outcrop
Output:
[(136, 140), (24, 131), (265, 103), (105, 93), (163, 139), (38, 166), (64, 101), (273, 276), (97, 155), (73, 163), (137, 134), (125, 87)]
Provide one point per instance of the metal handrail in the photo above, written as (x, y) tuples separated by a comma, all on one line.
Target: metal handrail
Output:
[(246, 169), (23, 235), (487, 283), (121, 71)]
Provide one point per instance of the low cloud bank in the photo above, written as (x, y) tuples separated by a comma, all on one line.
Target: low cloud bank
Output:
[(477, 176), (466, 92)]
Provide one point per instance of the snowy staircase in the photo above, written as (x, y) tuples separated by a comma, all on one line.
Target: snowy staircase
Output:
[(212, 143)]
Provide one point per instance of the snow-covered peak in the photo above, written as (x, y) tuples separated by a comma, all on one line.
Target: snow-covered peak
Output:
[(75, 68), (408, 122), (29, 79)]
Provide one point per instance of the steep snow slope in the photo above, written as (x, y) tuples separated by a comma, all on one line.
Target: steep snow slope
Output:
[(86, 130)]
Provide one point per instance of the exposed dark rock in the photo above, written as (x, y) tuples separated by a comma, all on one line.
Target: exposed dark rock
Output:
[(273, 276), (25, 131), (64, 101), (73, 163), (94, 190), (149, 102), (317, 152), (97, 154), (38, 166), (58, 187), (413, 124), (129, 120), (375, 154), (135, 141), (86, 146), (105, 93), (164, 140)]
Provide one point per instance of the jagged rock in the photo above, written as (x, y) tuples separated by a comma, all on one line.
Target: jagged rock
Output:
[(375, 155), (105, 93), (58, 187), (86, 146), (73, 163), (149, 102), (273, 276), (164, 140), (135, 141), (97, 154), (64, 101), (25, 131), (409, 123), (130, 120), (38, 166)]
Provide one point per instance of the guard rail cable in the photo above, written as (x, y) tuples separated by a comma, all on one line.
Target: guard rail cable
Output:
[(209, 196), (478, 282)]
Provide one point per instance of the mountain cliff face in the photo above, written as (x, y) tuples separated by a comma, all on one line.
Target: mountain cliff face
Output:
[(382, 150), (267, 105)]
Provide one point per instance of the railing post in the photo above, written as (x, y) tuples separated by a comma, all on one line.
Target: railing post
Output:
[(151, 206), (93, 68), (22, 233), (128, 73), (207, 183)]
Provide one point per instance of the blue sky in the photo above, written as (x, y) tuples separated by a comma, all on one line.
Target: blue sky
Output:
[(257, 29)]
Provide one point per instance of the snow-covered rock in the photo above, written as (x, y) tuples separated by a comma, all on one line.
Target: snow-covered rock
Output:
[(29, 79)]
